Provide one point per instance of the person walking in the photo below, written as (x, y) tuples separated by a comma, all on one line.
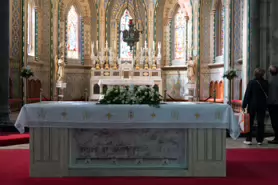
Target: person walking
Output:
[(255, 100), (273, 101)]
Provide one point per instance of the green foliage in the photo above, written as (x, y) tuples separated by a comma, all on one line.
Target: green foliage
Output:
[(230, 74), (26, 72), (132, 95)]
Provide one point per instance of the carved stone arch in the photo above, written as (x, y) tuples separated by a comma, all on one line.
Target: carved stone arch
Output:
[(117, 18), (76, 5), (121, 11), (173, 11), (169, 13)]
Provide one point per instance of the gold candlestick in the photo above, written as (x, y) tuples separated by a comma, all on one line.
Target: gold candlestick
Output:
[(97, 65), (106, 66), (137, 67)]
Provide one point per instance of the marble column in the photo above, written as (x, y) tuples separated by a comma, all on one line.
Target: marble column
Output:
[(254, 51), (273, 36), (4, 64), (264, 32), (227, 35), (245, 46)]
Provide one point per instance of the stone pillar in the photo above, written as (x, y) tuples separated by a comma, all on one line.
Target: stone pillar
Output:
[(254, 51), (227, 48), (264, 31), (273, 24), (4, 64), (245, 46)]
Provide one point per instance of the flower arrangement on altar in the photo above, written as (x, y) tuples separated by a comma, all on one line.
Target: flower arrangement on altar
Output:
[(230, 74), (132, 95), (26, 72)]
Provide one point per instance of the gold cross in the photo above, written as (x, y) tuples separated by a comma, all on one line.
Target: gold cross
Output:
[(131, 115), (42, 114), (175, 115), (153, 115), (86, 116), (197, 115), (108, 116), (218, 115), (64, 114)]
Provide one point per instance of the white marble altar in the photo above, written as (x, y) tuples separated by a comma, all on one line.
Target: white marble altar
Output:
[(86, 139)]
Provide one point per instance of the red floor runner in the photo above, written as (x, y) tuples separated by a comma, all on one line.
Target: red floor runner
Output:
[(244, 166), (14, 139)]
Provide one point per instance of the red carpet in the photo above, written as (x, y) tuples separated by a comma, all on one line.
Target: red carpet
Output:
[(244, 166), (14, 139)]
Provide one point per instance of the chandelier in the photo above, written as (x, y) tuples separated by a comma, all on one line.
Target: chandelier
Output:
[(132, 35)]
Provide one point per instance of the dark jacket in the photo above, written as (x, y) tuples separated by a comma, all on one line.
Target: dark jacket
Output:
[(255, 95), (273, 90)]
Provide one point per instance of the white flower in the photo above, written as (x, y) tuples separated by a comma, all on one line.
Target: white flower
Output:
[(146, 93), (28, 67)]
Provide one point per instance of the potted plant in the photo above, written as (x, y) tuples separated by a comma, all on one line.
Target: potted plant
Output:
[(26, 73), (230, 75)]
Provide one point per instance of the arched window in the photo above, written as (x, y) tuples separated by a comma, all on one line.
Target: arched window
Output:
[(31, 30), (179, 35), (125, 52), (73, 34), (219, 30)]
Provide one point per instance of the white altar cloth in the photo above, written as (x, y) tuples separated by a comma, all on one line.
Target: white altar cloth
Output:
[(125, 82), (92, 115)]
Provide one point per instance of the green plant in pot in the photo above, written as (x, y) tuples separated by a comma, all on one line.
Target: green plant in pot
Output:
[(230, 75)]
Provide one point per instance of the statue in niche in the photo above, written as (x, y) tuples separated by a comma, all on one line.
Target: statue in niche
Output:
[(191, 69), (61, 65)]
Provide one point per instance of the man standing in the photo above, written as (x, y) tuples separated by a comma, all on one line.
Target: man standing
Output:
[(273, 101)]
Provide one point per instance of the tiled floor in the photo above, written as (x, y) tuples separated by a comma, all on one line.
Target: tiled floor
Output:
[(230, 144)]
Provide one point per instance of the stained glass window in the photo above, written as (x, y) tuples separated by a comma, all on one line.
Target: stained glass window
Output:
[(72, 34), (125, 52), (31, 30), (179, 37)]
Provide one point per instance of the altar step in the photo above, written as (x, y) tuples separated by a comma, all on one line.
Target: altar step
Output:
[(8, 139)]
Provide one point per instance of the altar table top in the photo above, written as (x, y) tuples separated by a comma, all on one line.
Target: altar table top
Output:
[(92, 115)]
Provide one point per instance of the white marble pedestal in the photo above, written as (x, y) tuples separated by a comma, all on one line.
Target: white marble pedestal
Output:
[(64, 152), (60, 90)]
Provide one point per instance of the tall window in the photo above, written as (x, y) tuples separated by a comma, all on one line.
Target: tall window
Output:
[(219, 30), (179, 36), (72, 34), (125, 52), (31, 30)]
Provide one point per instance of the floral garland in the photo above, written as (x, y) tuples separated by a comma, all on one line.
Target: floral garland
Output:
[(26, 72), (230, 74), (132, 95)]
